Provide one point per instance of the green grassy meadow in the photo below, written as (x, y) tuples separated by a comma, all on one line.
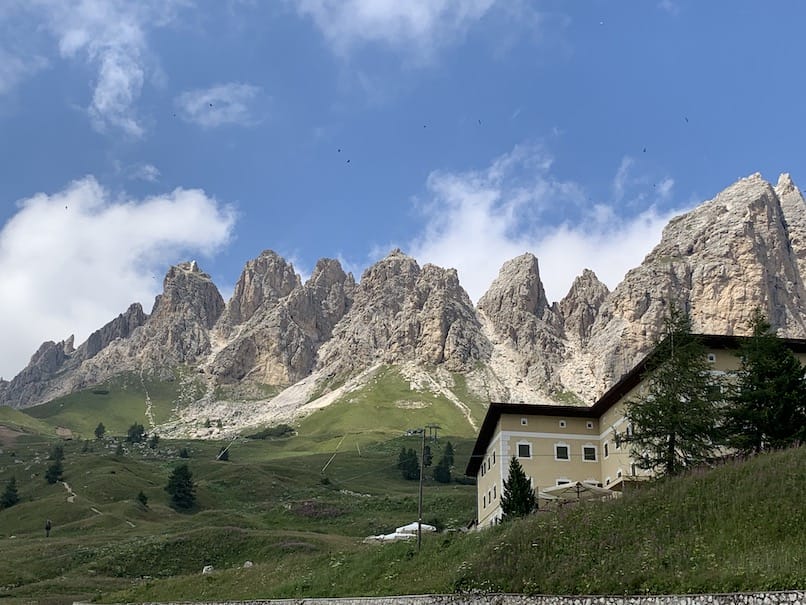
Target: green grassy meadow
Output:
[(299, 507)]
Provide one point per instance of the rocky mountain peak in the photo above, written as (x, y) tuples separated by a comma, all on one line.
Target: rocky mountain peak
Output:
[(581, 305), (402, 313), (793, 206), (189, 293), (264, 280), (517, 287)]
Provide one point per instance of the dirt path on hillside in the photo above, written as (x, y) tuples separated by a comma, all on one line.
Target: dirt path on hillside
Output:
[(8, 437), (71, 495)]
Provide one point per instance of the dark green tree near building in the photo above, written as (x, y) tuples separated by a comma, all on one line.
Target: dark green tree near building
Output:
[(56, 452), (518, 498), (408, 464), (181, 488), (448, 453), (767, 404), (136, 433), (675, 419), (100, 431), (442, 471), (10, 497)]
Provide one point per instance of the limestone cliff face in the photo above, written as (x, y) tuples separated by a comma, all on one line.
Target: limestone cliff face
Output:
[(515, 308), (581, 305), (718, 262), (402, 313), (121, 327), (794, 209), (263, 282), (277, 344), (35, 379)]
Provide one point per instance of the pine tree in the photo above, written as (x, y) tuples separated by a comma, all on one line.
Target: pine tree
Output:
[(142, 499), (449, 453), (100, 431), (136, 433), (674, 422), (442, 471), (408, 464), (518, 498), (54, 472), (183, 453), (10, 496), (767, 406), (181, 488)]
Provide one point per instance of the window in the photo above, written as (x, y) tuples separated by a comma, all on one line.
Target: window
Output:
[(524, 421), (562, 424), (493, 457), (711, 358), (589, 453), (606, 449), (632, 470), (607, 481), (563, 481), (589, 424), (629, 430), (561, 451), (482, 469), (524, 450), (618, 474), (494, 496), (484, 500)]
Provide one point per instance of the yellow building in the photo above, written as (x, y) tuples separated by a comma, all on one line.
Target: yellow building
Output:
[(557, 444)]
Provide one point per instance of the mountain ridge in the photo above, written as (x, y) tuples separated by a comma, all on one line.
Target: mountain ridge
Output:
[(744, 248)]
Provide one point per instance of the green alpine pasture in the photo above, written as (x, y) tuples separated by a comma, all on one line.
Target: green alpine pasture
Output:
[(299, 507)]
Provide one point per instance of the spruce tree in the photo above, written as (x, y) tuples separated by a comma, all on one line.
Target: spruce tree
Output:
[(518, 498), (136, 433), (674, 421), (442, 471), (100, 430), (767, 405), (449, 454), (10, 497), (181, 488), (54, 472)]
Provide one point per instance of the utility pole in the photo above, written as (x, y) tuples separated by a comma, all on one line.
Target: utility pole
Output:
[(420, 499)]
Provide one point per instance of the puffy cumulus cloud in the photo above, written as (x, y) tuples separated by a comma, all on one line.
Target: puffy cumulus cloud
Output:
[(112, 37), (477, 220), (231, 103), (73, 260), (418, 25)]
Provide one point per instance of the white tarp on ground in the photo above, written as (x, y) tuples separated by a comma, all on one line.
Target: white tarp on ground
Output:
[(578, 490), (406, 532)]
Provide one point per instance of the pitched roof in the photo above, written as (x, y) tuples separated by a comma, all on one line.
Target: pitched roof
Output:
[(614, 394)]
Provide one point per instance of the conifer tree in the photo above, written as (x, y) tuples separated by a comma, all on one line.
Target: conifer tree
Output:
[(54, 472), (10, 497), (100, 430), (181, 488), (518, 498), (449, 453), (136, 433), (674, 421), (767, 406), (442, 471)]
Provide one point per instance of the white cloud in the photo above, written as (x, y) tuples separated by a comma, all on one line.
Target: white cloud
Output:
[(112, 37), (231, 103), (413, 25), (14, 69), (145, 172), (475, 221), (73, 260)]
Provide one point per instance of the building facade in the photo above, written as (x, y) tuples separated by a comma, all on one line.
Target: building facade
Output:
[(557, 444)]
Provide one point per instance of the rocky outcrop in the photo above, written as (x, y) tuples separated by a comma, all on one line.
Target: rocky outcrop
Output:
[(402, 313), (794, 209), (121, 327), (518, 312), (35, 379), (277, 345), (263, 282), (718, 262), (580, 306)]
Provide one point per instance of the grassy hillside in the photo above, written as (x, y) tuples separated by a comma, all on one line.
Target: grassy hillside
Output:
[(299, 507), (117, 403)]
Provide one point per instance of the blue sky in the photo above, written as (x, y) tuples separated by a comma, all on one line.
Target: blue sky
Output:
[(137, 135)]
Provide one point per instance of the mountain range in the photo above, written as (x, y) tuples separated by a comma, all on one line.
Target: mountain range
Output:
[(281, 348)]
